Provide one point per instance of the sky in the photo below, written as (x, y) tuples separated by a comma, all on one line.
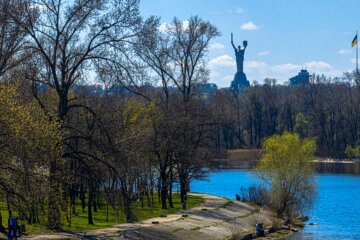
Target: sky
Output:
[(283, 36)]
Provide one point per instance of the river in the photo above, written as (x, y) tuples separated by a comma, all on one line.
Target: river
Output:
[(336, 211)]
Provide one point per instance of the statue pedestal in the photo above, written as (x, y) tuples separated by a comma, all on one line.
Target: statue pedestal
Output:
[(240, 82)]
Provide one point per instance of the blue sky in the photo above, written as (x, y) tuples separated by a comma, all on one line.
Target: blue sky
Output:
[(283, 35)]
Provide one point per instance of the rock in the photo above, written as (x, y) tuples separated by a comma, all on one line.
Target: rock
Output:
[(313, 224), (302, 218), (298, 224), (271, 229), (294, 229), (185, 215), (260, 233), (126, 234), (248, 237), (163, 215), (285, 227), (155, 222), (204, 209), (287, 221)]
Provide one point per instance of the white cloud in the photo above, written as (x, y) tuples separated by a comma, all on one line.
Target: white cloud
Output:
[(258, 70), (318, 66), (227, 80), (163, 27), (264, 53), (250, 26), (222, 61), (40, 7), (223, 69), (344, 51), (255, 65), (239, 10), (217, 46), (287, 68), (185, 24)]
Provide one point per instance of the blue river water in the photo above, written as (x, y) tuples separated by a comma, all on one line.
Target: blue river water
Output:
[(336, 211)]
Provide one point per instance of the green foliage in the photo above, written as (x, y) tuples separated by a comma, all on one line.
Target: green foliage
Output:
[(302, 124), (352, 152), (29, 141), (80, 221), (287, 167)]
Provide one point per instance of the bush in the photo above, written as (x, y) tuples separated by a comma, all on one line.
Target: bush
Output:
[(287, 168), (256, 194), (352, 152)]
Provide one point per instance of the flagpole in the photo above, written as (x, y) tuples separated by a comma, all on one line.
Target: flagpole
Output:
[(357, 52)]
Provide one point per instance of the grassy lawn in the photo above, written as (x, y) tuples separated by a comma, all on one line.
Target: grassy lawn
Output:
[(79, 221)]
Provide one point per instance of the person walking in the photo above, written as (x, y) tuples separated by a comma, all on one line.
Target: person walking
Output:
[(12, 227)]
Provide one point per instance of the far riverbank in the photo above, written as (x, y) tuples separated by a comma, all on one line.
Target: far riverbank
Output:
[(249, 158)]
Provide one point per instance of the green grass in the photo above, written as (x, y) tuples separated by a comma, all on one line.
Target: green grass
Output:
[(196, 228), (80, 220), (225, 205)]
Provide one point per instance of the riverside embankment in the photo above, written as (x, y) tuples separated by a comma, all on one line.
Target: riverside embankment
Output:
[(336, 208), (216, 218)]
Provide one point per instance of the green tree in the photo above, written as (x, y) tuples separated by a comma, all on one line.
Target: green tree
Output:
[(352, 152), (29, 142), (287, 168)]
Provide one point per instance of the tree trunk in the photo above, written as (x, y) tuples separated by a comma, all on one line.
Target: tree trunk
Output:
[(94, 201), (164, 190), (98, 201), (82, 198), (171, 189), (148, 200), (152, 197), (54, 221), (73, 198), (127, 206), (107, 211), (159, 189), (90, 203), (183, 192)]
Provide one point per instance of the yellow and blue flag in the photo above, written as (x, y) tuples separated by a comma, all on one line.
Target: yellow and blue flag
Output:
[(355, 41)]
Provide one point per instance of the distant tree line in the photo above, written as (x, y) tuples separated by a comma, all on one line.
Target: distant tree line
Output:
[(325, 111)]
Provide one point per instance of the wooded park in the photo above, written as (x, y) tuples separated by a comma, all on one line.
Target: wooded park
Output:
[(69, 151)]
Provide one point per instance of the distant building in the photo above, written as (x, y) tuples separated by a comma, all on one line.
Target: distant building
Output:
[(303, 78), (208, 88)]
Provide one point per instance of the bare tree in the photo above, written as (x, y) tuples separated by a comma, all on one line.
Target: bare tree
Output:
[(176, 59), (65, 39), (12, 39)]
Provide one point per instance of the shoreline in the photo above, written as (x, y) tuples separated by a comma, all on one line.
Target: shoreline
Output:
[(346, 166), (216, 218), (328, 160)]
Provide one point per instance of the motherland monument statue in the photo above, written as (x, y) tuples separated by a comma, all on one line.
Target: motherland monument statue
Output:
[(240, 81)]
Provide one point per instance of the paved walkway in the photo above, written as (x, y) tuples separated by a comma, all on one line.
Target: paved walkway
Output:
[(216, 218)]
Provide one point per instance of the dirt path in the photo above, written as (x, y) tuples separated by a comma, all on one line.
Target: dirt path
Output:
[(216, 218)]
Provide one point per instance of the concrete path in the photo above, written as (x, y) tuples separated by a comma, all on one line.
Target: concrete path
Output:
[(216, 218)]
